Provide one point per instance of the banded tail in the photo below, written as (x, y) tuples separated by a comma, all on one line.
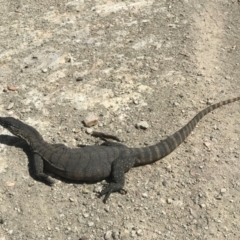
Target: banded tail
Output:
[(153, 153)]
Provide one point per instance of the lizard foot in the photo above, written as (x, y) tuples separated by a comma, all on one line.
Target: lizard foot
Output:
[(45, 178), (112, 187)]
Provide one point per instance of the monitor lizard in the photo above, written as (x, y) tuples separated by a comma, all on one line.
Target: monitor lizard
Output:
[(95, 163)]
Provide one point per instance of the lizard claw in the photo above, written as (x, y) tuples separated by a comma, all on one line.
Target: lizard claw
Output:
[(106, 191), (112, 187), (123, 191)]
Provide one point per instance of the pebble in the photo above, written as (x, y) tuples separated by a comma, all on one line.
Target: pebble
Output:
[(86, 215), (106, 209), (78, 76), (175, 104), (9, 184), (90, 120), (85, 191), (202, 205), (142, 125), (207, 144), (223, 190), (133, 234), (139, 232), (91, 224), (44, 70), (84, 238), (145, 195), (10, 106), (11, 88), (124, 234), (108, 235), (98, 189), (169, 200), (164, 183), (79, 79), (81, 220), (89, 131), (218, 197), (115, 235)]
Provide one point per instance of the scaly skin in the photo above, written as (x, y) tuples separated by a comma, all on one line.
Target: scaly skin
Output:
[(94, 163)]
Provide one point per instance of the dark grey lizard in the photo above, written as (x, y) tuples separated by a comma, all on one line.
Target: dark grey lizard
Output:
[(94, 163)]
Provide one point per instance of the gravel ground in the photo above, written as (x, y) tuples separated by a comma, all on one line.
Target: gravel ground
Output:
[(126, 62)]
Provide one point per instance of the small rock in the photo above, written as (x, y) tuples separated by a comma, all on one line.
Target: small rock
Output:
[(75, 130), (139, 232), (69, 59), (169, 200), (136, 102), (115, 235), (202, 205), (106, 209), (78, 76), (91, 224), (90, 120), (86, 215), (9, 184), (44, 70), (164, 183), (133, 234), (79, 79), (145, 195), (218, 197), (142, 125), (207, 144), (84, 238), (81, 220), (169, 15), (98, 189), (175, 104), (172, 25), (108, 235), (11, 88), (223, 190), (124, 234), (89, 131), (10, 106), (85, 191)]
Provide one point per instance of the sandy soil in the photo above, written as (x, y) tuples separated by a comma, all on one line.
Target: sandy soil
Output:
[(124, 61)]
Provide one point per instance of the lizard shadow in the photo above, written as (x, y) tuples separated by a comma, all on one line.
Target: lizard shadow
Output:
[(22, 144), (19, 143)]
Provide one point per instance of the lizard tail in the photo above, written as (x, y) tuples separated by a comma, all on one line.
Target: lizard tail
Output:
[(155, 152)]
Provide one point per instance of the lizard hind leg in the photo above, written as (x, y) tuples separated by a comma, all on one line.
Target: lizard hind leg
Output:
[(119, 167)]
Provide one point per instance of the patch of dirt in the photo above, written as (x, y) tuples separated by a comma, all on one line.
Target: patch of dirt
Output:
[(159, 62)]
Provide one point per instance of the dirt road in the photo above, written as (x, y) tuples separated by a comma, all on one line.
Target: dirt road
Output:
[(126, 62)]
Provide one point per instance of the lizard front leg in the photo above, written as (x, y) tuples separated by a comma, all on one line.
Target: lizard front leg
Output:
[(119, 167), (38, 166)]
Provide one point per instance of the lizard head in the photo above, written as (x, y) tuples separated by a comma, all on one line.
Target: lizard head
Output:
[(9, 121), (18, 128), (11, 124)]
